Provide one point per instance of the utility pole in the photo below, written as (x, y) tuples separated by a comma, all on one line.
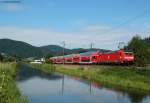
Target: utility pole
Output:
[(121, 45), (63, 77), (63, 44), (91, 45)]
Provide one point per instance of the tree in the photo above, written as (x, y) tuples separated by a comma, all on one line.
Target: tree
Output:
[(140, 50), (47, 57), (1, 57)]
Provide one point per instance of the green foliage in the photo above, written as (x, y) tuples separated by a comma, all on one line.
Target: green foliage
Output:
[(18, 48), (48, 56), (25, 50), (9, 92), (55, 50), (1, 57), (12, 59), (44, 67), (117, 77), (128, 79), (141, 51)]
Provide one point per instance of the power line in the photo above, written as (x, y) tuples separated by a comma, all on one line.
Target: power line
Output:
[(121, 45), (128, 21)]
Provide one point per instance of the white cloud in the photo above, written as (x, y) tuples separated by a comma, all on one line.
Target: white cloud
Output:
[(97, 28), (82, 38)]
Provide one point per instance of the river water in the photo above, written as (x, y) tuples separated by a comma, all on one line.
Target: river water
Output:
[(41, 87)]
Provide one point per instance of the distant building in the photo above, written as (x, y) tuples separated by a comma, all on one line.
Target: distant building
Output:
[(38, 61)]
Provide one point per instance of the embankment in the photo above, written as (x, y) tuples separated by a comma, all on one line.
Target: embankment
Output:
[(124, 78), (9, 93)]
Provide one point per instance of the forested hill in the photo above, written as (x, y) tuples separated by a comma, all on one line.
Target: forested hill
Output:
[(22, 49), (19, 48)]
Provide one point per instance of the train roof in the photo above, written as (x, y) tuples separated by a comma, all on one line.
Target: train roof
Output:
[(70, 55), (87, 53)]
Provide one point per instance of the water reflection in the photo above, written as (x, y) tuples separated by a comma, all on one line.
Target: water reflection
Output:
[(63, 77), (136, 98), (27, 72), (42, 87)]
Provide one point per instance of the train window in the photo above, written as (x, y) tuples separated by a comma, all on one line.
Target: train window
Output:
[(94, 57), (128, 53), (87, 53)]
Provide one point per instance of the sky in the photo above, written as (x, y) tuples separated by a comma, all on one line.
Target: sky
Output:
[(104, 23)]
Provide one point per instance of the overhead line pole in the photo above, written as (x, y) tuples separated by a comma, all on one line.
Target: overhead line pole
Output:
[(64, 44), (91, 45)]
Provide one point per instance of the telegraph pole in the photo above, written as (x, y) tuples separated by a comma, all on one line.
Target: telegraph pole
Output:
[(121, 45), (63, 44), (63, 81), (91, 45)]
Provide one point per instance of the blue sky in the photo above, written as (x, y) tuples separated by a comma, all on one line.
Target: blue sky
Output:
[(78, 22)]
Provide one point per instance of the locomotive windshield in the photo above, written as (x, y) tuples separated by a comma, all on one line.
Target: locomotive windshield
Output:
[(129, 53)]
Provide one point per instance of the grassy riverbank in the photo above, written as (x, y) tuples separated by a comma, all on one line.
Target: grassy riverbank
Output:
[(128, 79), (120, 78), (44, 67), (9, 92)]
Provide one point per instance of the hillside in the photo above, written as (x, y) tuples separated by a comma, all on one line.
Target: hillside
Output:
[(54, 50), (58, 50), (22, 49), (81, 50)]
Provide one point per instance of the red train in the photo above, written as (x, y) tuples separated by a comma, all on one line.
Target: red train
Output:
[(96, 57)]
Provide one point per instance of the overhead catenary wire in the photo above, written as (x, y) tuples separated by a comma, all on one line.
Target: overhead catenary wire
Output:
[(128, 21)]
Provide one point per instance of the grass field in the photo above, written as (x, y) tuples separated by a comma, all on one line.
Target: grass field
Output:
[(44, 67), (128, 79), (9, 92)]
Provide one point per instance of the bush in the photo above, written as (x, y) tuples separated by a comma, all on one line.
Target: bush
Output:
[(141, 51)]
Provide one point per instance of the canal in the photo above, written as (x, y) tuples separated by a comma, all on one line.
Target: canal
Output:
[(40, 87)]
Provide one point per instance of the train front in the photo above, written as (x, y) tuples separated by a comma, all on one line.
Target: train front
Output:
[(129, 57)]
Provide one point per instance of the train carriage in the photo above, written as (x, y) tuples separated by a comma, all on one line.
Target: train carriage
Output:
[(76, 58), (89, 57), (69, 58), (96, 57)]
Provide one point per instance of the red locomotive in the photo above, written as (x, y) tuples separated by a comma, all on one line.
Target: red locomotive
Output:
[(96, 57)]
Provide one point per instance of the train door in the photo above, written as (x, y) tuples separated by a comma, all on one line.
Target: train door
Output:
[(120, 56)]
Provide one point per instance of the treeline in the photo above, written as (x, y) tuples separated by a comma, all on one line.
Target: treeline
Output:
[(141, 50), (14, 58), (139, 46)]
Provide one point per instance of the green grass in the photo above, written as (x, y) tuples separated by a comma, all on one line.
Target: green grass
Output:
[(44, 67), (122, 78), (127, 79), (9, 92)]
